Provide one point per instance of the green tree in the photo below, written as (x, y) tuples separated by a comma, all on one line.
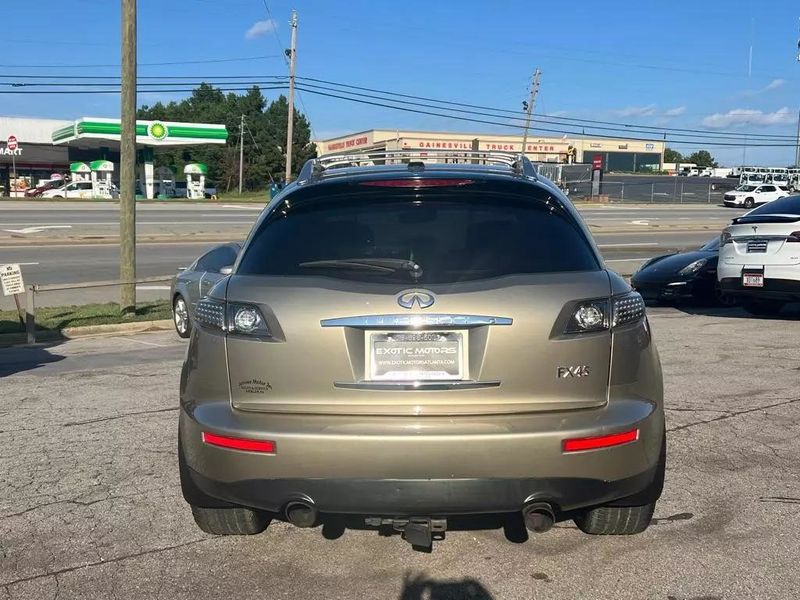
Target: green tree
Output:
[(703, 158), (672, 156), (264, 136)]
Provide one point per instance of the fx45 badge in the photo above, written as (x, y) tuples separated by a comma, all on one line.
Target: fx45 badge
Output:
[(578, 371)]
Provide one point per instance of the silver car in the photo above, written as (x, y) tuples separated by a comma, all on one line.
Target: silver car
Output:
[(194, 282)]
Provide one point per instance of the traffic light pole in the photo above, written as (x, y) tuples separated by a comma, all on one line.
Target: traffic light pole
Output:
[(127, 192)]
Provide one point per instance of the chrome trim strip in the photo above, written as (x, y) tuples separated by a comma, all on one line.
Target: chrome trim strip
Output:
[(422, 386), (416, 320)]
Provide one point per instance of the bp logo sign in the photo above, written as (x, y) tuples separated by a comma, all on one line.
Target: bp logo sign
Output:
[(157, 130)]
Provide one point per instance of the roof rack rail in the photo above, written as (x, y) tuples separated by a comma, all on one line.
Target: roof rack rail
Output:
[(517, 162)]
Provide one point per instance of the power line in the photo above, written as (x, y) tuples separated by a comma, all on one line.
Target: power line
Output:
[(152, 64)]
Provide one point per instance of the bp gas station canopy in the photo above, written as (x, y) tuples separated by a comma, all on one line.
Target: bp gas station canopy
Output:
[(104, 134)]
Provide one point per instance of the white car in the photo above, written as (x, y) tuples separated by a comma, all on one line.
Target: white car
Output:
[(76, 189), (759, 257), (750, 195)]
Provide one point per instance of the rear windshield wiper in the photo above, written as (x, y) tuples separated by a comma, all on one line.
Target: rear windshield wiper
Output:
[(385, 265)]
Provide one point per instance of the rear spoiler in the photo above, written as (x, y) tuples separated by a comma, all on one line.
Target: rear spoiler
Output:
[(776, 218)]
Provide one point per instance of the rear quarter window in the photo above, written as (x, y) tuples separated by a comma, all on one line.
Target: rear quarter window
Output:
[(453, 235)]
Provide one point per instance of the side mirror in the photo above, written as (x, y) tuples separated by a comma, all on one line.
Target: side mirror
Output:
[(226, 270)]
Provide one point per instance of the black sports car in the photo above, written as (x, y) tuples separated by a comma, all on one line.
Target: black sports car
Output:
[(691, 274)]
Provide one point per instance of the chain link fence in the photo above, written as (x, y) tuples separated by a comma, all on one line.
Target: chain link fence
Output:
[(673, 190)]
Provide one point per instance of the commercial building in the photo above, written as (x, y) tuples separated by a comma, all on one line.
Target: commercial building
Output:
[(47, 147), (617, 154)]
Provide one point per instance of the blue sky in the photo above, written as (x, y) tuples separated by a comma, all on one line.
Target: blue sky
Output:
[(677, 64)]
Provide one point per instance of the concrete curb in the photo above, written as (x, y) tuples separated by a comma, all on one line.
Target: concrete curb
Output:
[(71, 333)]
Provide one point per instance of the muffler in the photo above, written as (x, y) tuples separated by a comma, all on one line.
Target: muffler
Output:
[(539, 517), (301, 513)]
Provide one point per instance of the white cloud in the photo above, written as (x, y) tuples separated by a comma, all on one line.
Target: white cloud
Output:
[(741, 117), (774, 84), (260, 28), (558, 113), (675, 112), (637, 111)]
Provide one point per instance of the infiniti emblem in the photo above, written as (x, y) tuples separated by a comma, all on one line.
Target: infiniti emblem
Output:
[(421, 298)]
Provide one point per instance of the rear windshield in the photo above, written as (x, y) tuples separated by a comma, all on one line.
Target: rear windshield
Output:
[(790, 205), (419, 238)]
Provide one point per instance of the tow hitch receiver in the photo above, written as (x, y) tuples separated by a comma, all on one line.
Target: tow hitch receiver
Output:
[(417, 531)]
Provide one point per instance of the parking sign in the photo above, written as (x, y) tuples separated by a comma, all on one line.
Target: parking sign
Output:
[(11, 280)]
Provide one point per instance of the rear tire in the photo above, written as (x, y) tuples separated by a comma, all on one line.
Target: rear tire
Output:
[(230, 521), (749, 203), (763, 307), (616, 520), (627, 520)]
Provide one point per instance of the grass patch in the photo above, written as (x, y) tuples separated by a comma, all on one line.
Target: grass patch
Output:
[(57, 318)]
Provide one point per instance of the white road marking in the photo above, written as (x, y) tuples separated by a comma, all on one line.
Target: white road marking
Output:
[(627, 259), (152, 287), (639, 223), (27, 264), (243, 207), (37, 229)]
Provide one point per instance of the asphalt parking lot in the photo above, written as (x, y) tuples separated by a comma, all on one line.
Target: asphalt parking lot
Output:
[(90, 505)]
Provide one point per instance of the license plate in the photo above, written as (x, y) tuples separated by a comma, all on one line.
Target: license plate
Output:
[(416, 356), (753, 280)]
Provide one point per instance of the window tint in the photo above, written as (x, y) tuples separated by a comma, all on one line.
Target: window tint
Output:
[(452, 237), (216, 259), (790, 205), (767, 188)]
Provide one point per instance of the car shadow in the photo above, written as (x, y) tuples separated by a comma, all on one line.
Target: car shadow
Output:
[(421, 587), (18, 359), (790, 312)]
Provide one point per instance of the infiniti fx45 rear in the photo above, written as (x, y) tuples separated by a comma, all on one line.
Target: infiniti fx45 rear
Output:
[(409, 344)]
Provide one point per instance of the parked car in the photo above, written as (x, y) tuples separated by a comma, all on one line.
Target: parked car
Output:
[(193, 282), (413, 341), (76, 189), (749, 195), (682, 275), (759, 257)]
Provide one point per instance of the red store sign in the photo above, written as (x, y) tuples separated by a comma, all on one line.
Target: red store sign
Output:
[(351, 143)]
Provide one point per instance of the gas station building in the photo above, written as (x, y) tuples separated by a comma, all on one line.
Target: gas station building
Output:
[(48, 147), (628, 155)]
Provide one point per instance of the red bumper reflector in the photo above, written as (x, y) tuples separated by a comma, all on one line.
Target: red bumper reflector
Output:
[(222, 441), (601, 441), (418, 183)]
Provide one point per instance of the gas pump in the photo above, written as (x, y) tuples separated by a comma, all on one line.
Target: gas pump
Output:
[(102, 185), (165, 183), (80, 171), (195, 180)]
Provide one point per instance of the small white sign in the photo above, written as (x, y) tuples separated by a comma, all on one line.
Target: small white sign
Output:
[(11, 280)]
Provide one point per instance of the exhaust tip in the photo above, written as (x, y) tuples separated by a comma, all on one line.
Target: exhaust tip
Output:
[(539, 517), (301, 514)]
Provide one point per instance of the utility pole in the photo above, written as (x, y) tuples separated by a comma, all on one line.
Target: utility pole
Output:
[(290, 124), (528, 106), (127, 195), (241, 153), (797, 151)]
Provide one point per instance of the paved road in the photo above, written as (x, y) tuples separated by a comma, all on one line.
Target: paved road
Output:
[(90, 505)]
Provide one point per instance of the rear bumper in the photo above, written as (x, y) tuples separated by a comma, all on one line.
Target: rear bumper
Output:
[(787, 290), (392, 466)]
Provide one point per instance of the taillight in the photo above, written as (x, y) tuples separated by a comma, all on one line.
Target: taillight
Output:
[(725, 238), (234, 443), (794, 237), (418, 183), (597, 315), (600, 441), (231, 317)]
